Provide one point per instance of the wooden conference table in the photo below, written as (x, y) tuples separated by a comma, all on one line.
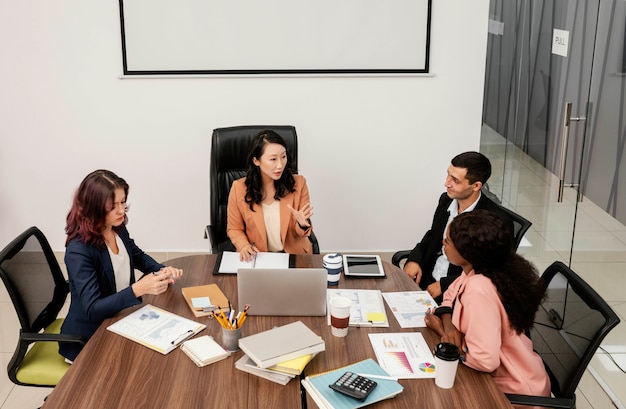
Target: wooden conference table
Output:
[(114, 372)]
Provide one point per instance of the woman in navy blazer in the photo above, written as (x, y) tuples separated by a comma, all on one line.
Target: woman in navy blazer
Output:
[(101, 258)]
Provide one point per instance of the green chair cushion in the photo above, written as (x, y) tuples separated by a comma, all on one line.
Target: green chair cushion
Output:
[(42, 364)]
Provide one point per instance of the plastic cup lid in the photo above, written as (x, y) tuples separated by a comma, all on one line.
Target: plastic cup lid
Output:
[(447, 351), (335, 258)]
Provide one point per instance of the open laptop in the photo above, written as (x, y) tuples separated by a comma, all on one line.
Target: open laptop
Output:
[(289, 291)]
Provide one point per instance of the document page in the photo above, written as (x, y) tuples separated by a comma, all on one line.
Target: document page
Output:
[(404, 355), (367, 308), (230, 262), (409, 307)]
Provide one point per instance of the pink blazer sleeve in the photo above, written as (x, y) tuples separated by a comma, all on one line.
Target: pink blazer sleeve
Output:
[(478, 315)]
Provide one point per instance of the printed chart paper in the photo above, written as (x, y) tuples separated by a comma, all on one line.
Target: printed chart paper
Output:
[(409, 307), (367, 308), (404, 355)]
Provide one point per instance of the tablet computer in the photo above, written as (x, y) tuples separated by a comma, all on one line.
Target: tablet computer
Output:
[(355, 265)]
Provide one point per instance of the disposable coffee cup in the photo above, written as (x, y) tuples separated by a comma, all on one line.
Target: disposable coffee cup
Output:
[(333, 264), (230, 339), (339, 315), (446, 361)]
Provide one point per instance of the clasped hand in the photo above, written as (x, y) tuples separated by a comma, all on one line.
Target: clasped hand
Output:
[(446, 330), (157, 282)]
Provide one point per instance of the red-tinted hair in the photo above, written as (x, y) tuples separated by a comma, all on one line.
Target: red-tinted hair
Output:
[(93, 200)]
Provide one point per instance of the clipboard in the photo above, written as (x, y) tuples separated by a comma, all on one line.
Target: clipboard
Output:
[(157, 329)]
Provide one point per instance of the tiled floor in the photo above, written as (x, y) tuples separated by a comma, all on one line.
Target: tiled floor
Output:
[(599, 257)]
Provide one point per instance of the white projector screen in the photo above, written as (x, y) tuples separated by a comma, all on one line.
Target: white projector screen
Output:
[(161, 37)]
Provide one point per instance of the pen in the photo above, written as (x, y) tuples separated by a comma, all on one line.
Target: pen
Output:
[(369, 323), (182, 337), (383, 377), (253, 255)]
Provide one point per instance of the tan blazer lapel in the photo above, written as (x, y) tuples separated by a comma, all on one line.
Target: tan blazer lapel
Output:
[(259, 221), (285, 215)]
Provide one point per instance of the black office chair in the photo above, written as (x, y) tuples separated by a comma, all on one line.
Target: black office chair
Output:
[(38, 290), (520, 227), (229, 151), (570, 325)]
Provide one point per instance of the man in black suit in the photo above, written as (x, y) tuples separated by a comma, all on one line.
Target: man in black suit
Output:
[(427, 264)]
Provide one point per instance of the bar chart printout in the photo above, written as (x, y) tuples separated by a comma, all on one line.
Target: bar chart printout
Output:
[(403, 355)]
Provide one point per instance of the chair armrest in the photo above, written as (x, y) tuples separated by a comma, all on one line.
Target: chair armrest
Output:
[(398, 256), (543, 401), (314, 243), (211, 234), (37, 337)]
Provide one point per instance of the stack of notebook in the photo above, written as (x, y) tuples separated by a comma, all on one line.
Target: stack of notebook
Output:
[(279, 354)]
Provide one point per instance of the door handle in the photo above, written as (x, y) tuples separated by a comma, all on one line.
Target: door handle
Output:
[(567, 118)]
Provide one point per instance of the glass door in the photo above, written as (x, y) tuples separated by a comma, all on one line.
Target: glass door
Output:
[(537, 87)]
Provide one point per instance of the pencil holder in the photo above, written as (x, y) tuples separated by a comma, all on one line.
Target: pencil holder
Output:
[(230, 339)]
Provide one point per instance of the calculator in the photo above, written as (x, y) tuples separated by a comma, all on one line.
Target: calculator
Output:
[(354, 385)]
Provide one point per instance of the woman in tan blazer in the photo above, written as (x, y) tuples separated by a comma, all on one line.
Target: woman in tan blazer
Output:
[(269, 209)]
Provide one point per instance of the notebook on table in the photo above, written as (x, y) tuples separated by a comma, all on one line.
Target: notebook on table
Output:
[(280, 344), (292, 291), (325, 397), (204, 350)]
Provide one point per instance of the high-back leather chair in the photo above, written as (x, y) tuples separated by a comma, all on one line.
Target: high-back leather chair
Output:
[(229, 151), (520, 227)]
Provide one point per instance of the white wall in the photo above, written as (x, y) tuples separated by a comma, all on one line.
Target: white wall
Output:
[(374, 150)]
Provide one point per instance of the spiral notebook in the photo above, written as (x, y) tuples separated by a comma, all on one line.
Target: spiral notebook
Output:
[(204, 350)]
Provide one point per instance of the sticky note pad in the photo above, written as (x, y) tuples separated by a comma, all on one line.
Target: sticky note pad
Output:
[(201, 302), (376, 317)]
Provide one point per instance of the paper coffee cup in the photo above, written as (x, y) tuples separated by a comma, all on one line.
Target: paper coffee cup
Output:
[(446, 362), (339, 315)]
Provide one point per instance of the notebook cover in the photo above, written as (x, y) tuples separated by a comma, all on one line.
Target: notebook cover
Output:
[(325, 397), (204, 350), (247, 365), (281, 344), (215, 294), (293, 366)]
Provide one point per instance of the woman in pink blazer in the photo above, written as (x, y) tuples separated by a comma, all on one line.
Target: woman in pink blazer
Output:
[(269, 209), (490, 308)]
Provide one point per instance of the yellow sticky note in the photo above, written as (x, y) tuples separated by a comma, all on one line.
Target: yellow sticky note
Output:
[(376, 317)]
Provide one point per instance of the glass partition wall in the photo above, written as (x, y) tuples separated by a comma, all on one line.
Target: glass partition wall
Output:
[(554, 126)]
